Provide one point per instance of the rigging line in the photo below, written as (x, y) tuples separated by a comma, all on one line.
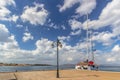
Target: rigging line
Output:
[(92, 52), (91, 45)]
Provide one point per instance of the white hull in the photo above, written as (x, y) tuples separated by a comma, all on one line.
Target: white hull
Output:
[(81, 67)]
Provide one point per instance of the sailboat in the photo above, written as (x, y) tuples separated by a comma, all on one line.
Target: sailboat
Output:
[(87, 64)]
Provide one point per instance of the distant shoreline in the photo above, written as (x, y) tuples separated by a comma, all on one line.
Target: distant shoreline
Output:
[(15, 64)]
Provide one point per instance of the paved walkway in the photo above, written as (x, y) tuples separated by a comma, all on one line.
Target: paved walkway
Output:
[(7, 76), (64, 75)]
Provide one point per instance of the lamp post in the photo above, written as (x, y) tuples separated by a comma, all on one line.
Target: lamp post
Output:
[(58, 44)]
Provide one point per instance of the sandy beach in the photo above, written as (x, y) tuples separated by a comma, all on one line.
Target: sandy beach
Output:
[(64, 75)]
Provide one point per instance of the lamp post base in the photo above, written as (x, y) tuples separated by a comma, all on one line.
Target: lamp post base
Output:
[(57, 76)]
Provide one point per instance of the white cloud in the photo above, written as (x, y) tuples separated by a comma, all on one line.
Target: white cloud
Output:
[(19, 25), (12, 44), (27, 36), (44, 53), (104, 37), (43, 46), (53, 25), (7, 41), (4, 33), (75, 24), (77, 32), (76, 27), (111, 57), (7, 2), (116, 48), (35, 15), (13, 18), (63, 27), (67, 4), (4, 12), (85, 6), (9, 48), (64, 37), (109, 16)]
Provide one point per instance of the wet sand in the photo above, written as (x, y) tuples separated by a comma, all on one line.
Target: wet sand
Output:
[(64, 75)]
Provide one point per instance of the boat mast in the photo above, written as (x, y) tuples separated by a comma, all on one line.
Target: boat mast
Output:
[(90, 53), (91, 46), (87, 39)]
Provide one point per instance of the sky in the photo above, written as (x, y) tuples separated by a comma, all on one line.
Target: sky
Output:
[(29, 27)]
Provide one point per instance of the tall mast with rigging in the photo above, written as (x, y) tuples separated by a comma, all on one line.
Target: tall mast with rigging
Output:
[(87, 41)]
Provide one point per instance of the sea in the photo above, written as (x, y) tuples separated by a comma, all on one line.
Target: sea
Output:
[(62, 67)]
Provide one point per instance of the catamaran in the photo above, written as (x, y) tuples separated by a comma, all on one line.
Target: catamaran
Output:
[(87, 64)]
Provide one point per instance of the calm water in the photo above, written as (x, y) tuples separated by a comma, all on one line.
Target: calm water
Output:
[(110, 68), (31, 68)]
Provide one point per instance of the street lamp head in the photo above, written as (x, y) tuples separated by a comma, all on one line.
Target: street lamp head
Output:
[(60, 45), (52, 45)]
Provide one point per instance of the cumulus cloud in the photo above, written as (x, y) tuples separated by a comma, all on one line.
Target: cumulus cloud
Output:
[(7, 2), (4, 33), (110, 57), (77, 32), (19, 25), (64, 37), (44, 53), (53, 25), (104, 37), (12, 44), (116, 48), (5, 12), (109, 16), (67, 4), (76, 26), (7, 40), (27, 36), (44, 48), (85, 6), (35, 14), (11, 52), (13, 18), (7, 43)]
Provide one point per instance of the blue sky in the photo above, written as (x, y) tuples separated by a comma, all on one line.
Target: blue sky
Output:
[(29, 27)]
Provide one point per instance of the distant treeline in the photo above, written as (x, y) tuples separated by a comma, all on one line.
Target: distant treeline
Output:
[(14, 64)]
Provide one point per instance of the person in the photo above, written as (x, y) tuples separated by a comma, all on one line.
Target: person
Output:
[(96, 68)]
